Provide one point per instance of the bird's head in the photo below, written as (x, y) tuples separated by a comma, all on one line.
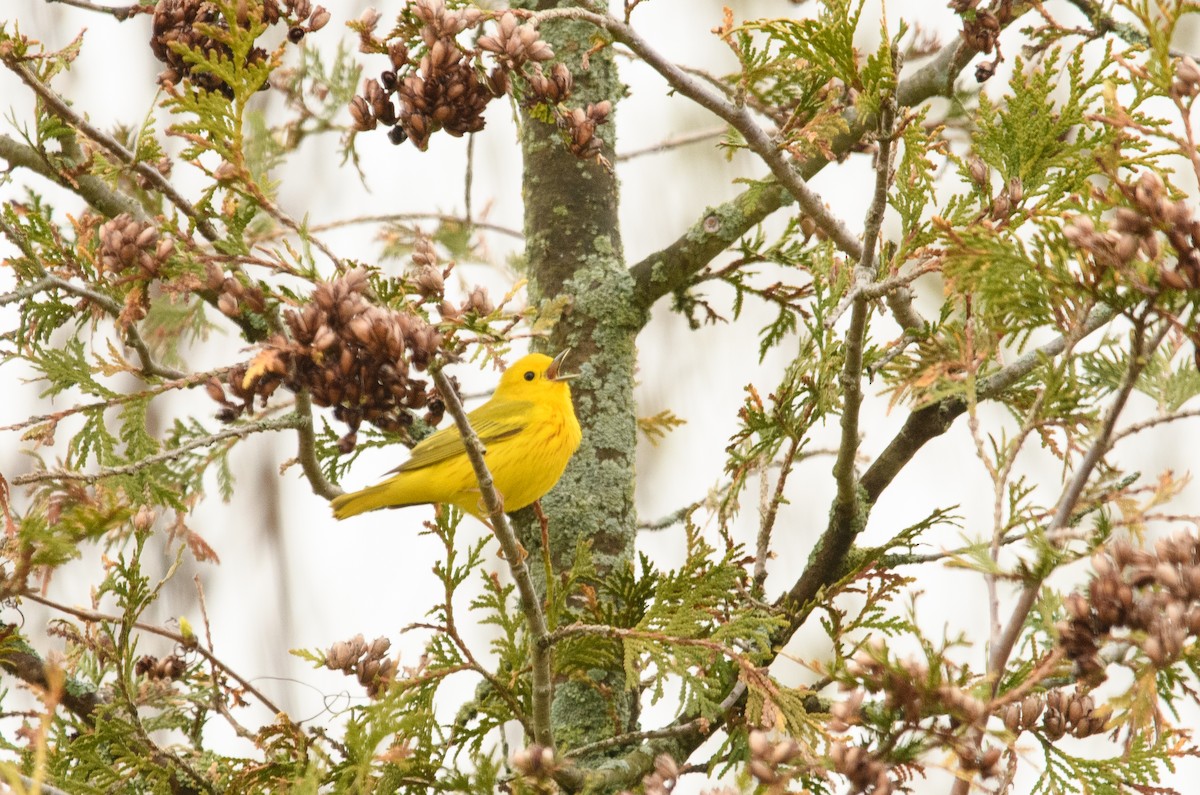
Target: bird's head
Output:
[(535, 375)]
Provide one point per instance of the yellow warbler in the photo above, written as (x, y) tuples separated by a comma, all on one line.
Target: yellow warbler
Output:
[(528, 428)]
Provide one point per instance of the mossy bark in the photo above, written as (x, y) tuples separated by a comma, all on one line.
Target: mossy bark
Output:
[(574, 252)]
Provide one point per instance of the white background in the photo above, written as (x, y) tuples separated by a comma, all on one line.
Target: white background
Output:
[(299, 579)]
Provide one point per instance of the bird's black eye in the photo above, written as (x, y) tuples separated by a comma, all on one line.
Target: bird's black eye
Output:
[(529, 376)]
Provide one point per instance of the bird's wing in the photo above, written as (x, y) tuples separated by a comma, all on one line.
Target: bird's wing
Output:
[(493, 421)]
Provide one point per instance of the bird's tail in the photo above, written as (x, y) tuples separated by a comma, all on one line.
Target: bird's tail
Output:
[(369, 499)]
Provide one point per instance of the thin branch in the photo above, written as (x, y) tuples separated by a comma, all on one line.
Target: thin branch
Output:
[(121, 13), (42, 787), (275, 211), (870, 290), (132, 337), (240, 431), (924, 424), (60, 108), (929, 422), (674, 142), (1074, 490), (307, 448), (28, 291), (165, 386), (1138, 427), (390, 218), (680, 514), (514, 554), (93, 616), (1104, 22), (769, 513), (469, 177), (693, 726), (849, 513)]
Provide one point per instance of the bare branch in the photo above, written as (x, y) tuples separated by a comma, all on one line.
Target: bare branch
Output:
[(514, 554), (674, 142), (922, 425), (391, 218), (929, 422), (1003, 645), (186, 382), (120, 13), (769, 511), (849, 513)]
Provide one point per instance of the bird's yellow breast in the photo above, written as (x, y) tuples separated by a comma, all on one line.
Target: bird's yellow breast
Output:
[(526, 466)]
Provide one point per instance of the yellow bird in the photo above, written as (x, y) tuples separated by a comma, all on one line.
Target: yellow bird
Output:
[(528, 428)]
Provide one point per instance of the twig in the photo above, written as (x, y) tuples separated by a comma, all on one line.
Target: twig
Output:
[(695, 725), (218, 703), (28, 291), (922, 425), (887, 288), (771, 510), (848, 516), (40, 786), (929, 422), (1105, 23), (672, 267), (165, 386), (1138, 427), (275, 211), (132, 336), (240, 431), (1070, 496), (469, 177), (623, 633), (678, 515), (674, 142), (445, 218), (514, 554), (121, 13), (449, 628), (93, 616), (306, 452)]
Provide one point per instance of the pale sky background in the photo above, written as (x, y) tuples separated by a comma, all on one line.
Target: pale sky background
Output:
[(324, 581)]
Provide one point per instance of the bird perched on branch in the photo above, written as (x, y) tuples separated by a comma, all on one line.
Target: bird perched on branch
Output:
[(528, 429)]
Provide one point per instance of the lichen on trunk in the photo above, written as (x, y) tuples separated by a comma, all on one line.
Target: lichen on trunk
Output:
[(575, 256)]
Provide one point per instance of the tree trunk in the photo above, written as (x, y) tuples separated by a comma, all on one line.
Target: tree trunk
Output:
[(575, 256)]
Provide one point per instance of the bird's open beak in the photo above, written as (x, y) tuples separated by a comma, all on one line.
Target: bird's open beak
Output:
[(554, 371)]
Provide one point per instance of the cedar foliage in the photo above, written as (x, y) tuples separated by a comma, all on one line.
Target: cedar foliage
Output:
[(1048, 223)]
